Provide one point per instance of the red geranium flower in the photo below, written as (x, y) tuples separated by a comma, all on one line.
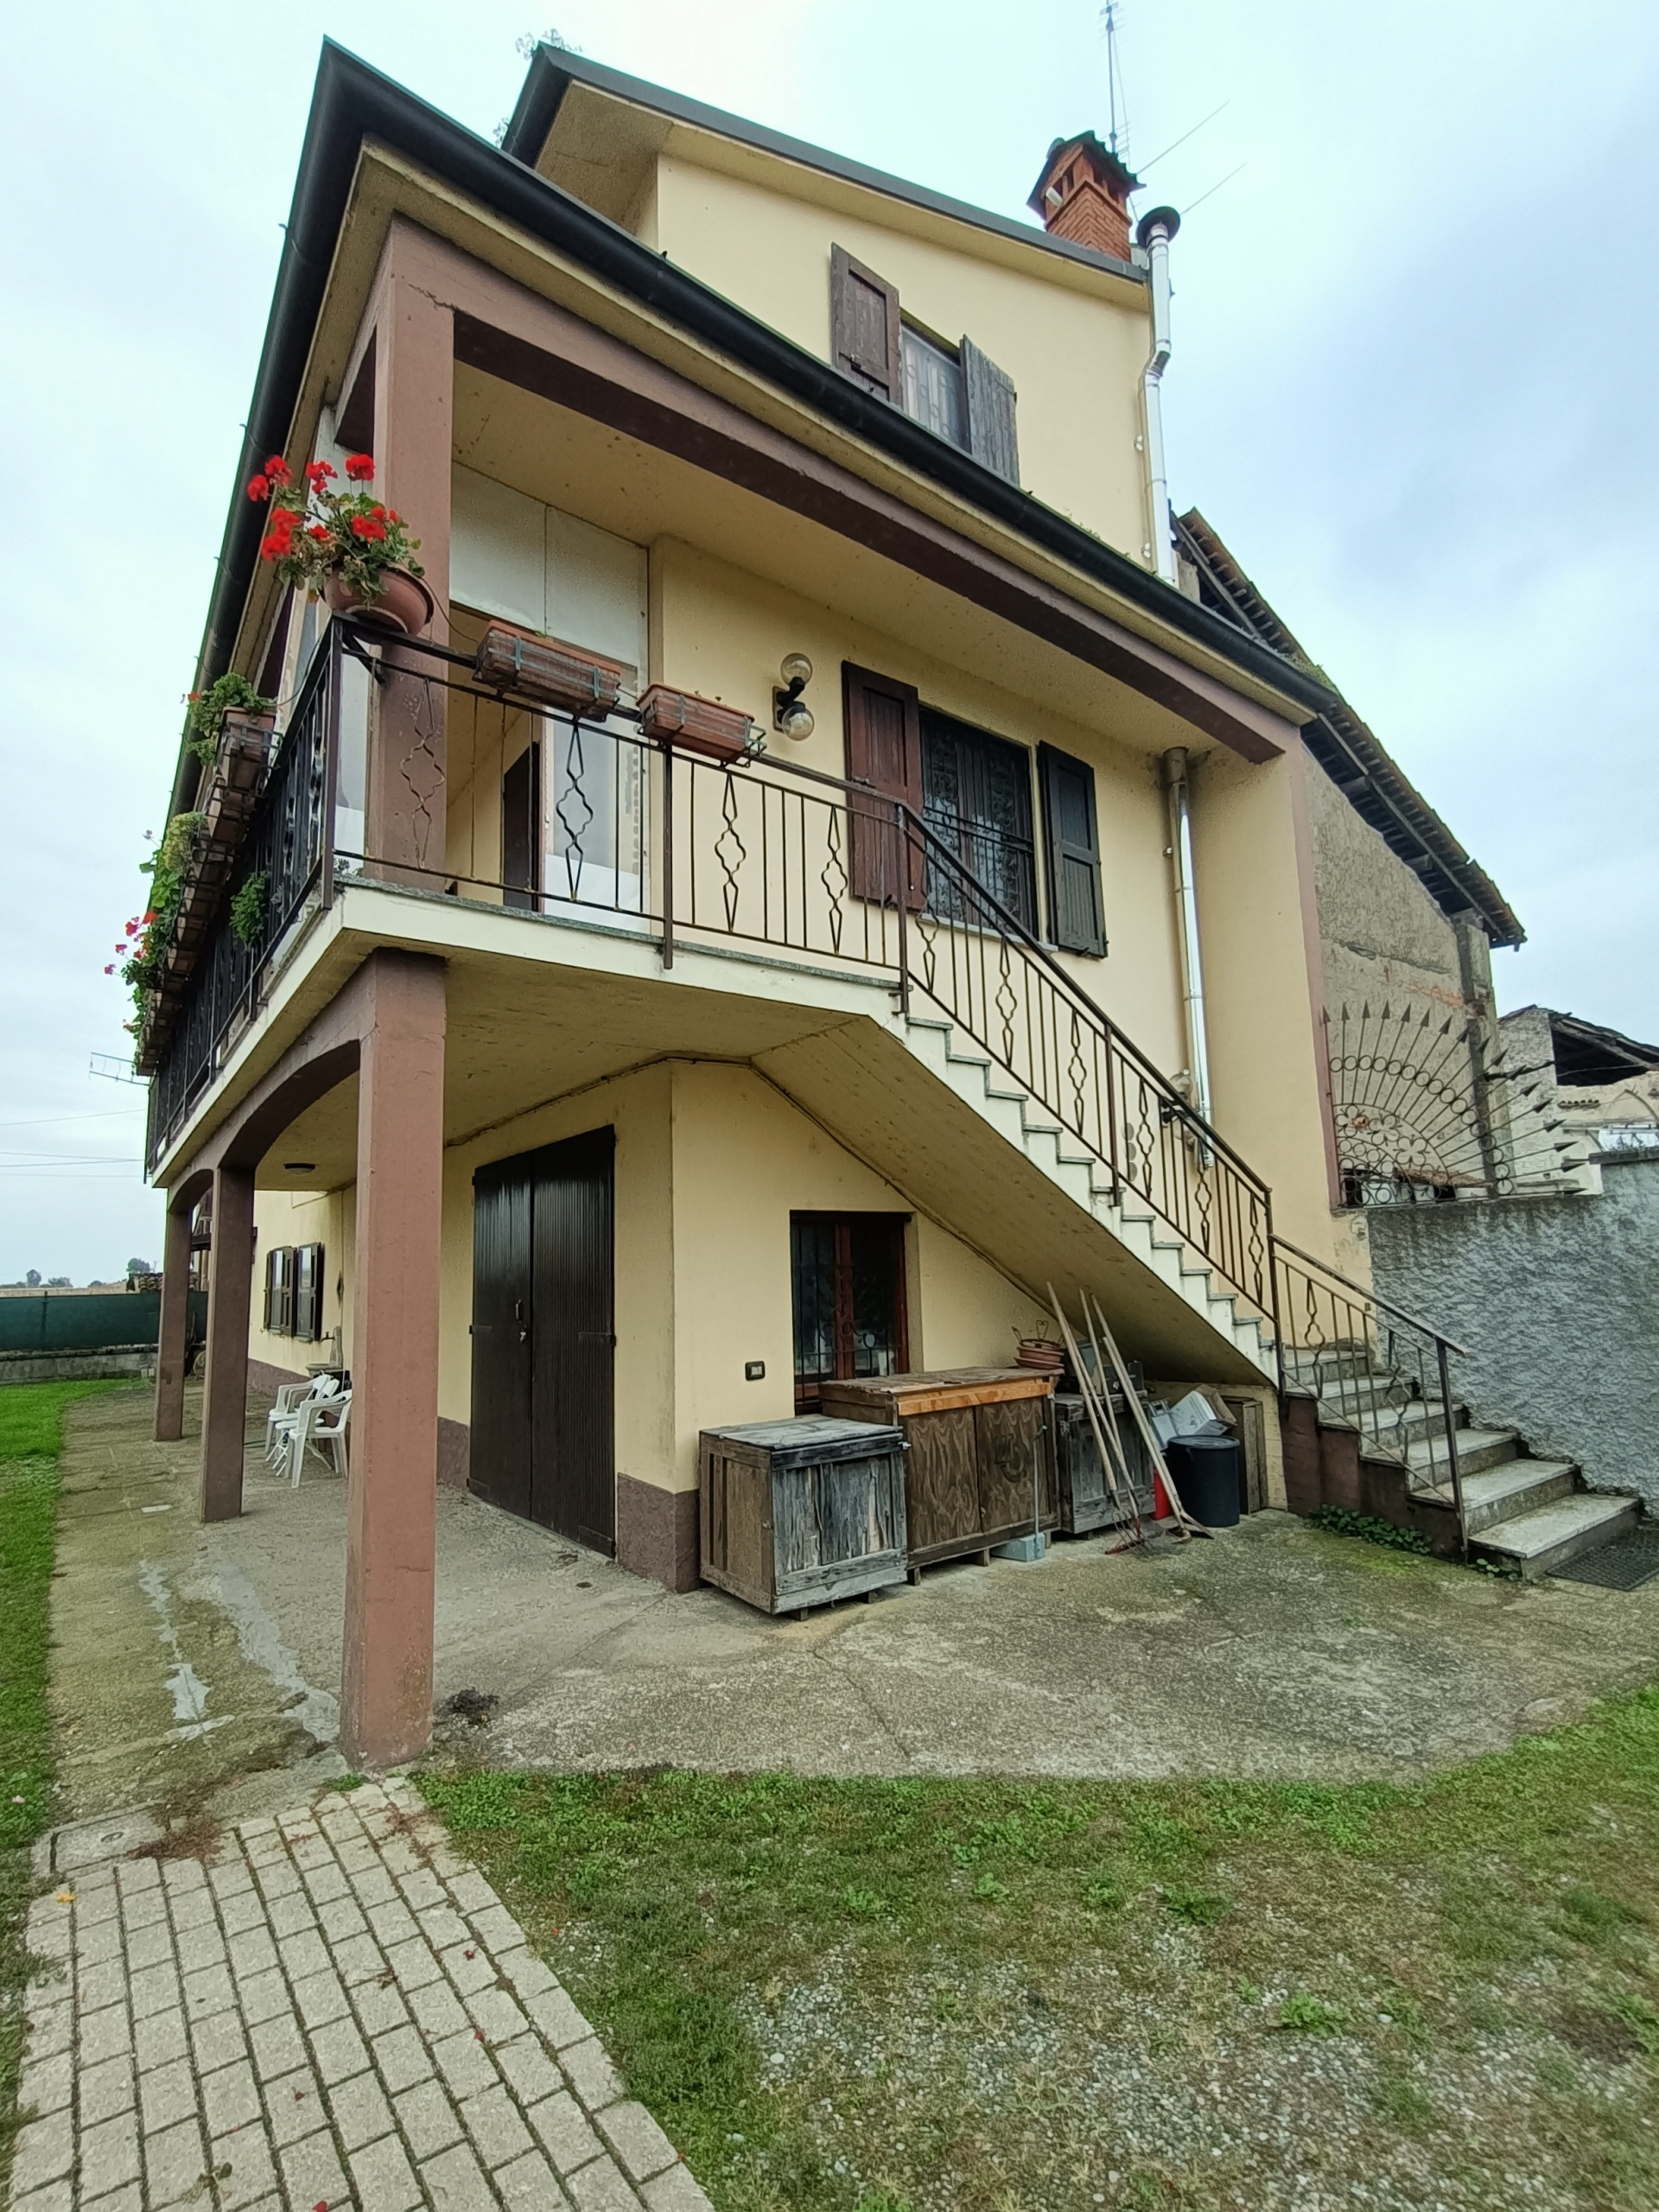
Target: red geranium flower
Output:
[(278, 470), (317, 473), (366, 526), (360, 466), (259, 487), (319, 531), (110, 970)]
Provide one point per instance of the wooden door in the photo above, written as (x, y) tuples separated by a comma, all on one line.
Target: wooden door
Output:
[(573, 1485), (501, 1336)]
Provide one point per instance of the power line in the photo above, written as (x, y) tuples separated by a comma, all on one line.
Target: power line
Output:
[(47, 1120)]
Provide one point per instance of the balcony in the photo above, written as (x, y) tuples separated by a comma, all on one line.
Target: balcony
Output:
[(633, 838)]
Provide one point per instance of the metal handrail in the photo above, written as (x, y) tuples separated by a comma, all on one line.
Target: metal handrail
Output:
[(1398, 1312)]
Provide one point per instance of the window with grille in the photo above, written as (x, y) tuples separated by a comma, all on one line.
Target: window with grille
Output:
[(847, 1278), (976, 800)]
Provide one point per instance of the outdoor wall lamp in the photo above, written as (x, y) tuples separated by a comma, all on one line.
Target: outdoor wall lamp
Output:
[(790, 712)]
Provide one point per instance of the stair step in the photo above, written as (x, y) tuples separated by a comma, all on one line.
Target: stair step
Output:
[(1540, 1541), (1499, 1494), (1478, 1448)]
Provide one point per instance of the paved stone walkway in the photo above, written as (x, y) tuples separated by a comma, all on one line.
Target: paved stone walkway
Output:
[(328, 2009)]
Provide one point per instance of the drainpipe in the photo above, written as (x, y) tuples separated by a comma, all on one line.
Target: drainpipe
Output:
[(1186, 903), (1152, 233)]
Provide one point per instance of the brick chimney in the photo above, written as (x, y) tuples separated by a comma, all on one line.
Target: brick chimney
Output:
[(1083, 194)]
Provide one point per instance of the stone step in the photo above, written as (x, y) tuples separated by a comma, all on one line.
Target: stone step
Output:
[(1498, 1494), (1541, 1541), (1478, 1448)]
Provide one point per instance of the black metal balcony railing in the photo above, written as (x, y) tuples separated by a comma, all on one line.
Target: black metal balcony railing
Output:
[(629, 834), (287, 840)]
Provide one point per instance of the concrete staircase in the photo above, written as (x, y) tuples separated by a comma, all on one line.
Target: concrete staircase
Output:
[(1530, 1514), (998, 1098)]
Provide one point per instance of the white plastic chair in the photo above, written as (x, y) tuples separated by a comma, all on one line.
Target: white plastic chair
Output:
[(316, 1425), (291, 1397)]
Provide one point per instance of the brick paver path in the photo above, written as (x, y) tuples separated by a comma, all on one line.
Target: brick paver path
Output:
[(330, 2009)]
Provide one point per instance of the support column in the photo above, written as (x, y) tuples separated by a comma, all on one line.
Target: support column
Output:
[(386, 1673), (414, 411), (173, 1346), (230, 1294)]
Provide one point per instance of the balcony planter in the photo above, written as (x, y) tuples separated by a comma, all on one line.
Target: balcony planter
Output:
[(547, 669), (403, 603), (692, 724), (245, 747)]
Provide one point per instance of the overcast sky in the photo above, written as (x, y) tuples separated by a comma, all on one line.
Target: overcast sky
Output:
[(1414, 387)]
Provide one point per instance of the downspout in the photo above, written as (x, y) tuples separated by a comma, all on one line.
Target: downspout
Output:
[(1186, 907), (1153, 234)]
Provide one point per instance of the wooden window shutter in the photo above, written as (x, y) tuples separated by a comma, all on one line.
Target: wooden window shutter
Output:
[(1077, 918), (883, 720), (864, 327), (521, 816), (307, 1293), (272, 1294), (990, 412)]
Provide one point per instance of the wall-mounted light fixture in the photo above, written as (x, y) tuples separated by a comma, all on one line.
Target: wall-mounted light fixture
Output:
[(790, 712), (299, 1168)]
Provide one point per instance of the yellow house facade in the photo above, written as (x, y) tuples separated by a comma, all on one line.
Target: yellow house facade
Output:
[(918, 913)]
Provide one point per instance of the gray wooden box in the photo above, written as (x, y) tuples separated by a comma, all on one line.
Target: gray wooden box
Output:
[(798, 1513), (1085, 1497)]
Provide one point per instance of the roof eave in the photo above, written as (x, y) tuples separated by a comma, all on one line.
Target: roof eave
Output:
[(352, 102)]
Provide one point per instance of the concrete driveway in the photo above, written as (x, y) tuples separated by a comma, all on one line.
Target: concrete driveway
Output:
[(189, 1662)]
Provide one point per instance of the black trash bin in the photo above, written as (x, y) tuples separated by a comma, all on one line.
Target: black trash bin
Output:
[(1205, 1472)]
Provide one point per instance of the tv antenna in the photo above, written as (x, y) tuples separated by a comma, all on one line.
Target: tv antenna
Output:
[(1117, 104)]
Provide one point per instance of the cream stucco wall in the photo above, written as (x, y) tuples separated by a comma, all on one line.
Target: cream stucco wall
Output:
[(1263, 985), (1076, 357), (720, 630), (325, 1217)]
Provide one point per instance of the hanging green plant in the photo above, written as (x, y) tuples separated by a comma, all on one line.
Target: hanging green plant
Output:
[(250, 907), (208, 710), (143, 949)]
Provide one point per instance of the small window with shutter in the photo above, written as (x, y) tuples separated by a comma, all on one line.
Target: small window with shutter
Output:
[(1076, 915), (956, 392), (307, 1293), (279, 1291)]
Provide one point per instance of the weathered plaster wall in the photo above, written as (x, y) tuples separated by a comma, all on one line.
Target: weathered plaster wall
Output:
[(1554, 1297), (1382, 933)]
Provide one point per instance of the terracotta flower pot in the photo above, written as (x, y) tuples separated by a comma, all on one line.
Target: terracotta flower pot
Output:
[(404, 602)]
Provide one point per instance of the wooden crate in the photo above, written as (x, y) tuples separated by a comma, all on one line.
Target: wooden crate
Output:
[(802, 1512), (973, 1433), (1085, 1499)]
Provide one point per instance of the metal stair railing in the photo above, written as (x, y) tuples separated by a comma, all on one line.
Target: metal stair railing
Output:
[(1377, 1366)]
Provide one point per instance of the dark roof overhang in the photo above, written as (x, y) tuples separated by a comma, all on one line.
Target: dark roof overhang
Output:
[(553, 70), (353, 104), (1587, 1053), (1352, 756)]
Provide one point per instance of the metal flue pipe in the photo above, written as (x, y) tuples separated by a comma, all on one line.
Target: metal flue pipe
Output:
[(1186, 912), (1152, 233)]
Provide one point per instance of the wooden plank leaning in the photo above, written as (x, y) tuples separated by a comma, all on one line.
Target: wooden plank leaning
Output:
[(1112, 1461), (1184, 1521)]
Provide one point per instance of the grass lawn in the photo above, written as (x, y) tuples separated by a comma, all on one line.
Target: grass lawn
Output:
[(31, 1423), (992, 1996)]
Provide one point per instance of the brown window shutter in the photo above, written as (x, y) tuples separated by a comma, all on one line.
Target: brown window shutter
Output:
[(864, 327), (990, 412), (883, 722), (1077, 918)]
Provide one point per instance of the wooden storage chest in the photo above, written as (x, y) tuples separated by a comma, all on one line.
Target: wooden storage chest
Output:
[(1085, 1499), (802, 1512), (976, 1450)]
